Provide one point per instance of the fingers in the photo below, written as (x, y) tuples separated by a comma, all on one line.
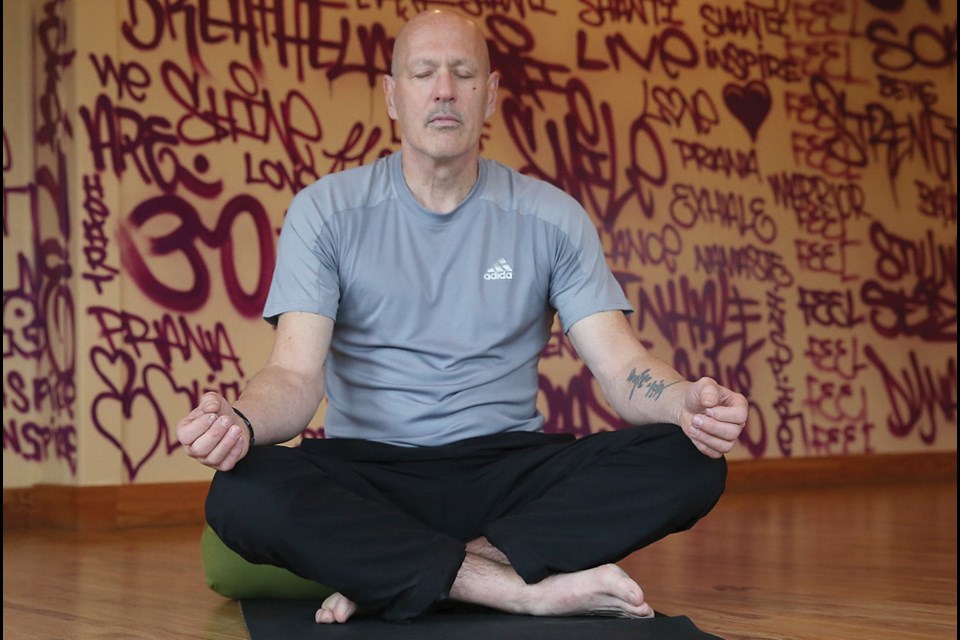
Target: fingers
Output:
[(212, 439)]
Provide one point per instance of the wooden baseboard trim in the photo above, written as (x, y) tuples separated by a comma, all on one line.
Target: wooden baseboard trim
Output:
[(800, 473), (112, 507)]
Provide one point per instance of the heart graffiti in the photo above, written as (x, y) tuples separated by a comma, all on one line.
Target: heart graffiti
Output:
[(139, 429), (750, 104)]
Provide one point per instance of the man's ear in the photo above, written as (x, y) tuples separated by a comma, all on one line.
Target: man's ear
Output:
[(493, 83), (388, 87)]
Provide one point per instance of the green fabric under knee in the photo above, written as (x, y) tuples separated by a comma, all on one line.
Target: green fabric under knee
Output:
[(233, 577)]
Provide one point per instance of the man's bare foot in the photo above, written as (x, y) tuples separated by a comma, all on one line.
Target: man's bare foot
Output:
[(605, 590), (336, 608)]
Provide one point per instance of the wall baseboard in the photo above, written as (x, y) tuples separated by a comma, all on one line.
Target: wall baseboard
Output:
[(112, 507), (809, 473)]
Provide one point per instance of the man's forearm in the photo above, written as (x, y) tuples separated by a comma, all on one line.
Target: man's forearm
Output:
[(280, 403), (647, 392)]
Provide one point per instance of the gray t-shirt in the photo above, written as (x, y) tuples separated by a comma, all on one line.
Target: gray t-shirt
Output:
[(439, 319)]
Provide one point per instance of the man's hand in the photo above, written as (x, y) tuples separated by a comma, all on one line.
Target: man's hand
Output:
[(213, 434), (713, 417)]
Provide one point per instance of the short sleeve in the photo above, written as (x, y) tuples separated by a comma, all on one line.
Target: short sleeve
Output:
[(306, 274)]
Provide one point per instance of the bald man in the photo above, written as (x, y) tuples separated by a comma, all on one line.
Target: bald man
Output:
[(416, 294)]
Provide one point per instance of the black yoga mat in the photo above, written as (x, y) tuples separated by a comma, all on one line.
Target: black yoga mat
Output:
[(293, 620)]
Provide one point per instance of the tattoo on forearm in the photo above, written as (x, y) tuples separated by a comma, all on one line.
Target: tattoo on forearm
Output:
[(654, 387)]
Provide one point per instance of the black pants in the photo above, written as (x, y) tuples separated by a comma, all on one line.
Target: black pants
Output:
[(387, 526)]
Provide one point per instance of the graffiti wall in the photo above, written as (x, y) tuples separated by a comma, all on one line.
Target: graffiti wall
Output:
[(774, 182)]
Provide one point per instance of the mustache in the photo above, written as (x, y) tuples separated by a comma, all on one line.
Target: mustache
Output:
[(446, 111)]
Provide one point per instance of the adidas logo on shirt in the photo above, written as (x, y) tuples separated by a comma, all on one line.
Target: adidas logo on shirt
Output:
[(501, 270)]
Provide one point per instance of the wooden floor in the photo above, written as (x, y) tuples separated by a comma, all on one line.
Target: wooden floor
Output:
[(868, 562)]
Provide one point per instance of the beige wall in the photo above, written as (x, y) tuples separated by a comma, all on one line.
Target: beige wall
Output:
[(775, 184)]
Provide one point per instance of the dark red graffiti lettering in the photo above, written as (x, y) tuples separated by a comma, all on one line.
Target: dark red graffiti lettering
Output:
[(708, 330), (182, 241), (166, 337), (597, 13), (276, 174), (671, 50), (822, 19), (817, 256), (842, 440), (693, 206), (306, 36), (789, 420), (748, 262), (579, 408), (357, 148), (718, 159), (835, 402), (836, 356), (96, 241), (41, 442), (644, 246), (245, 111), (828, 308), (53, 117), (120, 138), (674, 108), (750, 20), (852, 140), (933, 47), (938, 202), (822, 208), (751, 62), (899, 89), (922, 297), (130, 77), (917, 392)]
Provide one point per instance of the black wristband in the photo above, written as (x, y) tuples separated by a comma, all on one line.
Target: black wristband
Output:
[(246, 421)]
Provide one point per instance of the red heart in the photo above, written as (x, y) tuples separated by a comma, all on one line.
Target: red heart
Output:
[(749, 104)]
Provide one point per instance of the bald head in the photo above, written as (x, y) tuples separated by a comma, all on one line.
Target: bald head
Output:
[(439, 20)]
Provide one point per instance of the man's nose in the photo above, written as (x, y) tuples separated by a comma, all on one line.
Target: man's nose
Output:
[(443, 91)]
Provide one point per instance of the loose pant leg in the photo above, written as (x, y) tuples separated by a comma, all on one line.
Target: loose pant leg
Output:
[(604, 496), (282, 506)]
